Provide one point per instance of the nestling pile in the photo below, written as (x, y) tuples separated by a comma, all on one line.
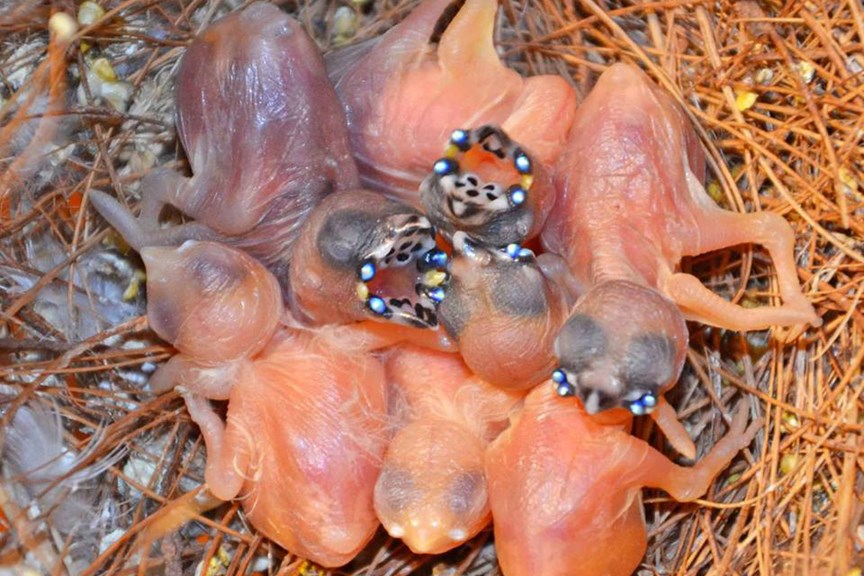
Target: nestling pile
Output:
[(433, 292)]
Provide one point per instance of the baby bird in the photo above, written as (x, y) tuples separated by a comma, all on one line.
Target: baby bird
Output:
[(565, 487), (437, 70), (303, 459), (504, 313), (432, 488), (265, 137), (631, 205), (363, 256), (488, 186)]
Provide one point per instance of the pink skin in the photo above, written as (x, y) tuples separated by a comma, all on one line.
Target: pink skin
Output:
[(218, 306), (631, 207), (303, 445), (504, 315), (432, 73), (432, 488), (307, 411), (262, 128), (268, 145), (213, 303), (565, 487)]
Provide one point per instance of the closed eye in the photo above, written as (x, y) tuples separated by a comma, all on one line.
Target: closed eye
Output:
[(465, 491), (397, 488)]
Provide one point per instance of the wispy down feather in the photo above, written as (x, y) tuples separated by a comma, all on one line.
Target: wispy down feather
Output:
[(35, 454)]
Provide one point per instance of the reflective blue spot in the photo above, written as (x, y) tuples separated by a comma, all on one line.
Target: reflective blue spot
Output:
[(445, 166), (637, 408), (523, 163), (565, 389), (525, 254), (517, 195), (459, 138), (377, 305), (649, 400), (468, 249), (513, 250), (436, 294), (367, 271), (436, 258), (558, 376)]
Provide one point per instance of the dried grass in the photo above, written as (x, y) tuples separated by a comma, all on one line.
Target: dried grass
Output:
[(777, 94)]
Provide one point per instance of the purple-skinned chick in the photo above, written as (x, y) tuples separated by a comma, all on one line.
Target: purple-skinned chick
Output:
[(265, 137)]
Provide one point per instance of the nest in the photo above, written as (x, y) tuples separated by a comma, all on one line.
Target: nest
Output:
[(775, 90)]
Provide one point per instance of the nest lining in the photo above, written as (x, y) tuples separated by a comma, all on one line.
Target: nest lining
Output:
[(776, 92)]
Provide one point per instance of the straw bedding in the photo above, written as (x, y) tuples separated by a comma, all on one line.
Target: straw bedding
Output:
[(776, 92)]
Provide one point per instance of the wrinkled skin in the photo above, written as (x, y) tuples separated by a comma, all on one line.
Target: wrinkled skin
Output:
[(264, 135), (565, 487), (622, 341), (303, 458), (434, 72), (631, 206), (504, 314), (432, 488)]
